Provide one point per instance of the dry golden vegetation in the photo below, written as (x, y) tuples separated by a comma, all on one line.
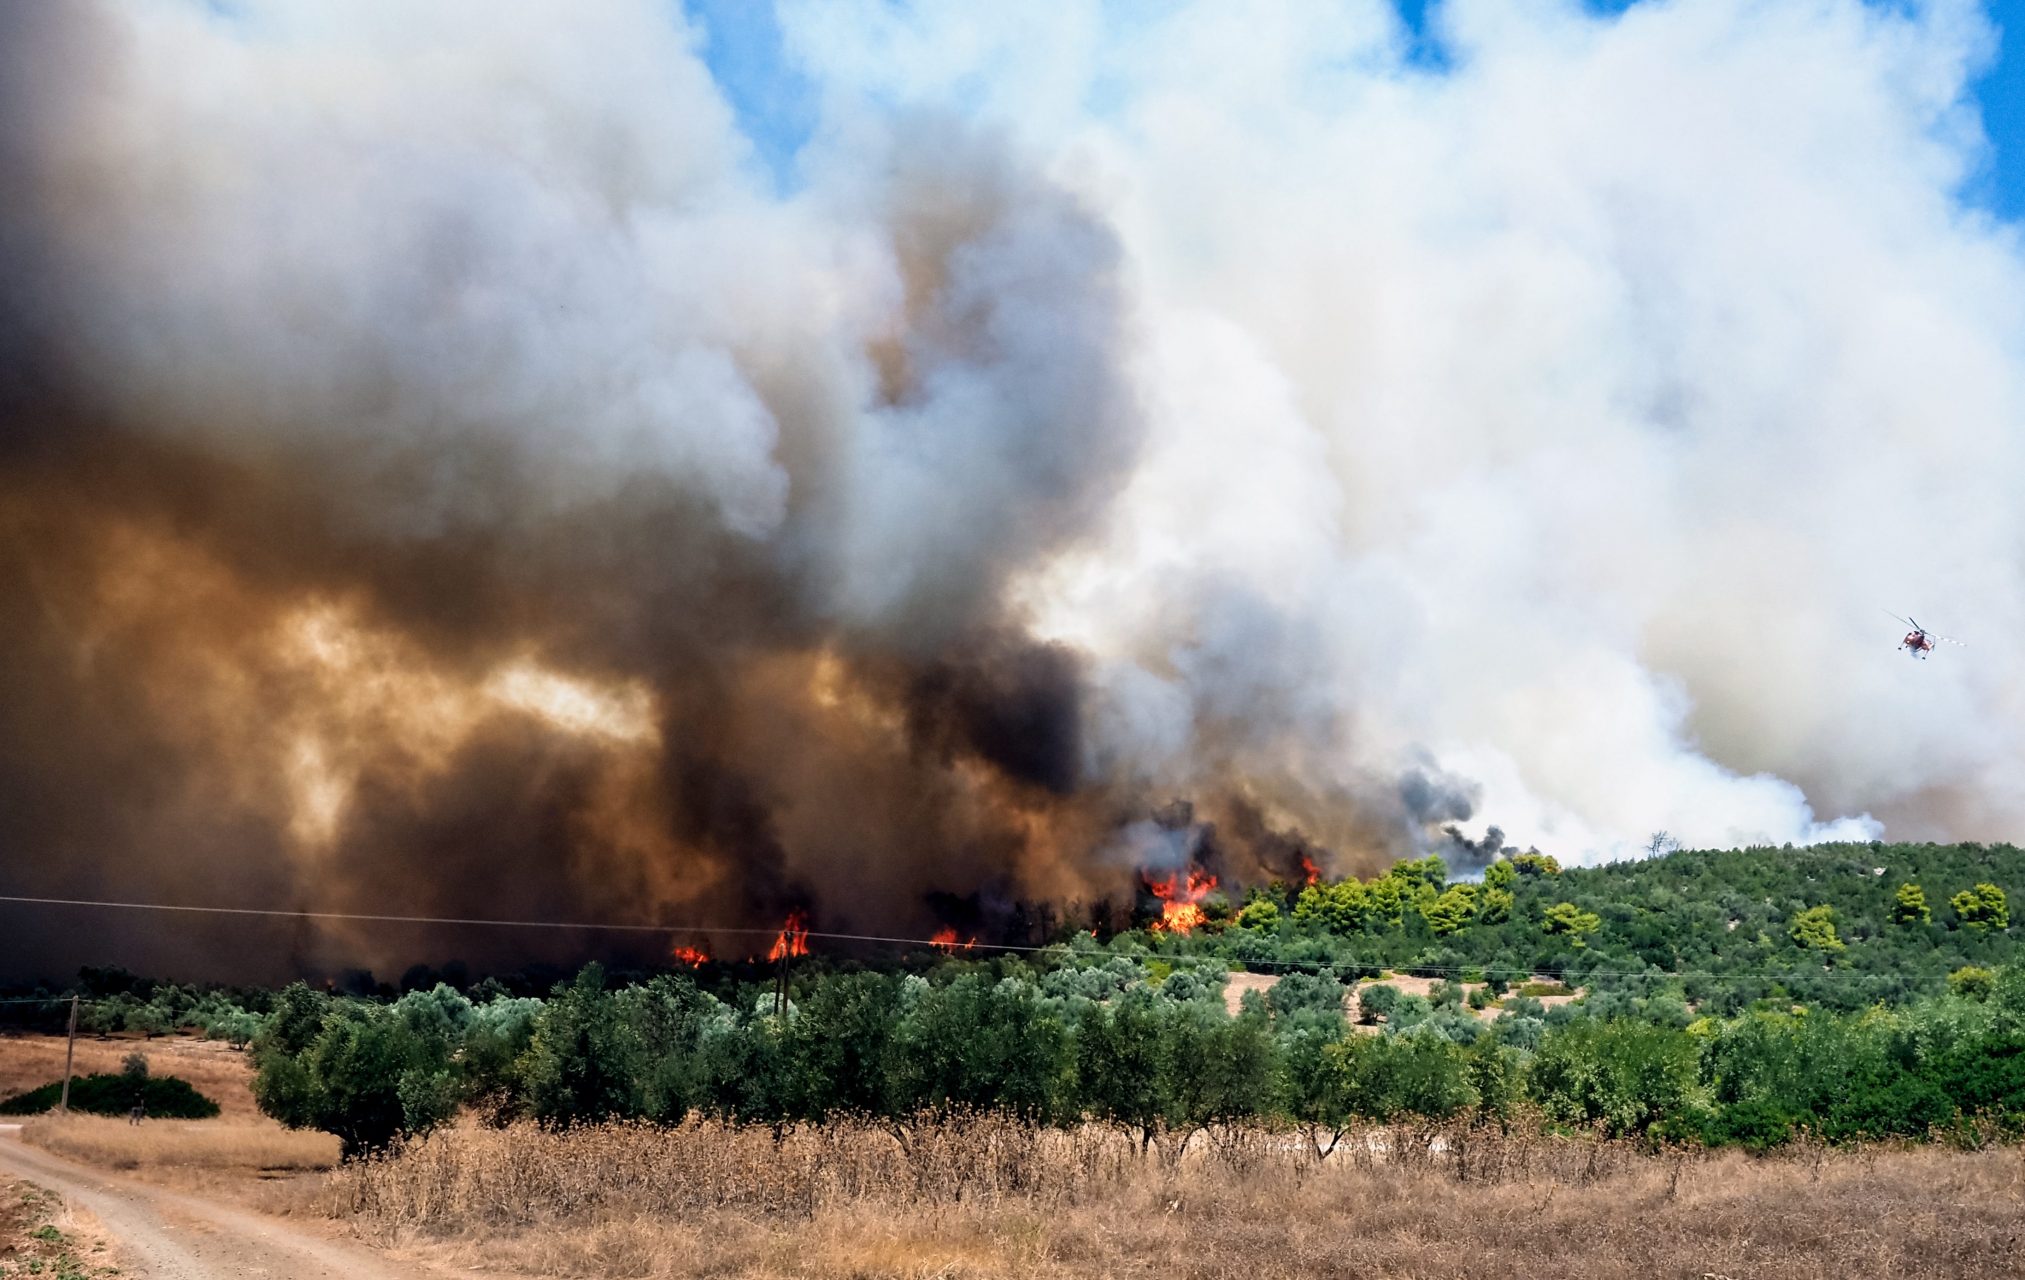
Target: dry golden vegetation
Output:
[(989, 1200), (173, 1150), (1239, 983), (214, 1068)]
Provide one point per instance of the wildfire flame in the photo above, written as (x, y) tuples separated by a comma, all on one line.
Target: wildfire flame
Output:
[(793, 939), (945, 938), (1180, 909), (1309, 870), (690, 956)]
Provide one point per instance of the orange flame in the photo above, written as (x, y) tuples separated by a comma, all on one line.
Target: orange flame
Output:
[(690, 956), (945, 938), (793, 939), (1180, 909), (1309, 870)]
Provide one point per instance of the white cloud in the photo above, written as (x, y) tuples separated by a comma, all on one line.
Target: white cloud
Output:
[(1575, 412)]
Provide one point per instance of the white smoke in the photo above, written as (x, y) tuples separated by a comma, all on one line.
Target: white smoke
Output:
[(1566, 416), (1573, 412)]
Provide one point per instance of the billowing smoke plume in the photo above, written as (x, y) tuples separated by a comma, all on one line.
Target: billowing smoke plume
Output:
[(440, 470)]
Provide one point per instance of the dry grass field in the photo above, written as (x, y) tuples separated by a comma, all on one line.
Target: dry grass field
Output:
[(222, 1155), (186, 1151), (991, 1202), (214, 1068), (1239, 983)]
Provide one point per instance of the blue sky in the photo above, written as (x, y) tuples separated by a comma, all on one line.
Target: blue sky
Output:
[(777, 106), (2002, 93)]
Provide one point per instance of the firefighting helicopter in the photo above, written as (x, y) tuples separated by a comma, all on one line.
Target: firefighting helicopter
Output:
[(1919, 642)]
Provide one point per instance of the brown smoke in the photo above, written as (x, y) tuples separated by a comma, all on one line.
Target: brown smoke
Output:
[(359, 636), (437, 478)]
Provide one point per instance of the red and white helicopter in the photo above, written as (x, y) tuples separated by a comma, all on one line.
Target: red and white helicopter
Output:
[(1918, 642)]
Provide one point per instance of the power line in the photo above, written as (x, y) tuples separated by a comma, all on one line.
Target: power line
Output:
[(598, 925), (1304, 966)]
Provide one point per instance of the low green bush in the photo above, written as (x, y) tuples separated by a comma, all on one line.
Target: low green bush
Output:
[(166, 1097)]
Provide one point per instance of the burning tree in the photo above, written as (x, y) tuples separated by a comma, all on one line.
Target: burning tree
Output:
[(1181, 900), (793, 941)]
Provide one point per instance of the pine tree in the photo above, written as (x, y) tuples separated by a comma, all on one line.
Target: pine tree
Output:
[(1982, 908), (1814, 929), (1911, 907)]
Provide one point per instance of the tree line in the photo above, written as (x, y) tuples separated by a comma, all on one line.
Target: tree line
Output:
[(1149, 1049)]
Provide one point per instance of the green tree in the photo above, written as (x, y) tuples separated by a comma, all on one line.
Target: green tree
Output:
[(237, 1028), (1408, 1011), (1494, 1073), (979, 1044), (1536, 864), (1316, 1093), (1123, 1074), (1385, 901), (1497, 906), (1452, 911), (1385, 1077), (1342, 907), (1986, 1076), (1308, 996), (295, 1021), (366, 1077), (1429, 872), (743, 1069), (1982, 908), (499, 1033), (1565, 919), (583, 1061), (1972, 983), (1910, 907), (1260, 913), (1222, 1069), (839, 1046), (103, 1017), (1375, 1002), (149, 1019), (1623, 1074), (1814, 929)]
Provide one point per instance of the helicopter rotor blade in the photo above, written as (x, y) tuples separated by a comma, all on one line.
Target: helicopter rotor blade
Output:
[(1908, 621)]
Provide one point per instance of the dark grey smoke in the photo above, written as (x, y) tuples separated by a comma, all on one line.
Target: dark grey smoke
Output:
[(1431, 798), (318, 422)]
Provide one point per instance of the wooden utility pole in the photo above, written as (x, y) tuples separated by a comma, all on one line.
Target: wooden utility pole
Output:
[(69, 1056)]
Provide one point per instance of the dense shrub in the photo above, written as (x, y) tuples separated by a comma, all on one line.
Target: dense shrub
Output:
[(164, 1097)]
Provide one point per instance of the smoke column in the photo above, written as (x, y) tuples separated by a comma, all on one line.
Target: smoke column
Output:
[(442, 469)]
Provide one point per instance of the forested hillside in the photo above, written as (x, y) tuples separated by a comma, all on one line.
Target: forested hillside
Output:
[(1842, 926)]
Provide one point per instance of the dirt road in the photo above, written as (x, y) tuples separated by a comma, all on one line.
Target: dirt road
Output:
[(167, 1235)]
